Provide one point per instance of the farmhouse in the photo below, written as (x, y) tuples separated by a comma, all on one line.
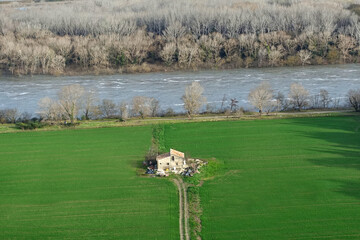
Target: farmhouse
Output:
[(173, 161)]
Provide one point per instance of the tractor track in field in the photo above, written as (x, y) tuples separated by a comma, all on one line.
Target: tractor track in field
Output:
[(183, 209)]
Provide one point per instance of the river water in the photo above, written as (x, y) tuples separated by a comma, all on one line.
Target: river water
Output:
[(24, 92)]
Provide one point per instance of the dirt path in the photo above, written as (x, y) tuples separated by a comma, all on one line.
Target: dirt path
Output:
[(183, 209), (181, 218)]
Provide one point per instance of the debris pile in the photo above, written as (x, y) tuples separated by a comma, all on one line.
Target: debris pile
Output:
[(193, 167)]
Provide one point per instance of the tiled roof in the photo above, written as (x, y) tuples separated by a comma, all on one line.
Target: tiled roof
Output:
[(177, 153), (164, 155)]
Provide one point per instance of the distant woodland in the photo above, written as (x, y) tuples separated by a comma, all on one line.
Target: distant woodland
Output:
[(154, 35)]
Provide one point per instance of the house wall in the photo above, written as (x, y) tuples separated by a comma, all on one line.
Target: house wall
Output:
[(169, 163)]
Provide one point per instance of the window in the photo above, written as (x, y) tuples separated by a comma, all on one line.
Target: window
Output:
[(173, 158), (177, 164), (168, 163)]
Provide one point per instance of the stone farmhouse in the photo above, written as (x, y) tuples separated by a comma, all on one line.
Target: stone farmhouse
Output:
[(173, 161)]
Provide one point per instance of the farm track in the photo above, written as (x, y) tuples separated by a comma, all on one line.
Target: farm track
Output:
[(183, 209)]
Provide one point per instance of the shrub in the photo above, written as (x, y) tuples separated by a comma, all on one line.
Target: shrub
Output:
[(29, 125)]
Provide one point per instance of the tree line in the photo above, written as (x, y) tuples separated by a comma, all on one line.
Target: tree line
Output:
[(74, 102), (102, 35)]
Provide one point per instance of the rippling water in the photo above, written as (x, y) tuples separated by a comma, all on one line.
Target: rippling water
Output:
[(25, 92)]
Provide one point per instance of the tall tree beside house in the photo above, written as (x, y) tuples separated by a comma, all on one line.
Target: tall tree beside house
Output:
[(299, 96), (193, 98), (70, 100), (261, 97)]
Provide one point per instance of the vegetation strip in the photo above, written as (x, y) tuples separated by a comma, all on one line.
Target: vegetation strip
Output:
[(119, 36)]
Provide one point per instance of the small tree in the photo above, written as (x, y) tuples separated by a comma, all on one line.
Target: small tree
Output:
[(280, 101), (299, 96), (124, 111), (305, 57), (70, 100), (324, 98), (11, 115), (50, 110), (233, 104), (193, 98), (261, 97), (88, 102), (354, 99), (108, 108), (141, 106)]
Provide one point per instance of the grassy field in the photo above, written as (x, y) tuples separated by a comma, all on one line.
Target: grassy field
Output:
[(283, 179), (81, 184)]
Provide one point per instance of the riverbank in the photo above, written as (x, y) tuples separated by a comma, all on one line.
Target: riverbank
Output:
[(89, 124)]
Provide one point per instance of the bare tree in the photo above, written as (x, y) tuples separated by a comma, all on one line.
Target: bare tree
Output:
[(141, 106), (50, 110), (70, 100), (108, 108), (280, 101), (305, 56), (10, 115), (88, 101), (124, 111), (167, 54), (354, 99), (324, 98), (233, 104), (346, 43), (261, 97), (193, 98), (299, 96)]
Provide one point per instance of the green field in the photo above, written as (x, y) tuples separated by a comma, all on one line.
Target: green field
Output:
[(81, 184), (282, 179)]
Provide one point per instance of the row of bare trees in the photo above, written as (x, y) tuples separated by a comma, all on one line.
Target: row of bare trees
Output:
[(52, 54), (174, 19), (74, 101), (104, 34)]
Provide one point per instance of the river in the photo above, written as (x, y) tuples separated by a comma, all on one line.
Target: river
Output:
[(24, 92)]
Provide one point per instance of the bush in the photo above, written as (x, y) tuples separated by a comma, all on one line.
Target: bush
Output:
[(30, 125)]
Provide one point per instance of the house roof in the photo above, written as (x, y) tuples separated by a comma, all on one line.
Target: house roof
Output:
[(177, 153), (164, 155)]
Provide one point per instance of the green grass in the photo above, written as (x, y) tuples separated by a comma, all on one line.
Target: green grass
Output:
[(279, 179), (283, 179), (81, 184)]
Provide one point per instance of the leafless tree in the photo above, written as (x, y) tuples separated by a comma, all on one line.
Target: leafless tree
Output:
[(233, 104), (124, 110), (280, 101), (299, 96), (70, 100), (108, 108), (193, 98), (167, 54), (142, 106), (354, 99), (9, 115), (324, 98), (88, 101), (261, 97), (50, 110), (305, 57), (174, 31), (346, 43)]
